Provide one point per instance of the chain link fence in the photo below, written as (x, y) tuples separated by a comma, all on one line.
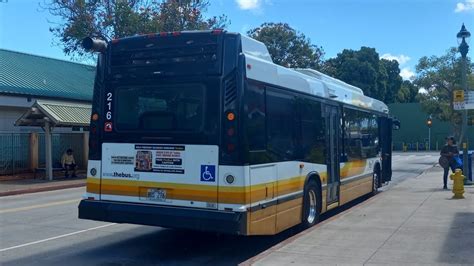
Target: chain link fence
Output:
[(15, 151), (416, 146)]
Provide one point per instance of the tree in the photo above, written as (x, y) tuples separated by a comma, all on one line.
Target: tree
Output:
[(392, 81), (438, 76), (378, 78), (109, 19), (288, 47), (408, 93)]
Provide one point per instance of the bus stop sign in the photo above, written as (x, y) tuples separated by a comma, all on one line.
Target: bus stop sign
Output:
[(458, 96), (463, 100)]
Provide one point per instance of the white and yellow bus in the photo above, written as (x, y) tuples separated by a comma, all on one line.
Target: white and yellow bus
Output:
[(201, 130)]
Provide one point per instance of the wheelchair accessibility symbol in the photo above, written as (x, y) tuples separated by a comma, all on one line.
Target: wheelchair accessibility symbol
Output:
[(208, 173)]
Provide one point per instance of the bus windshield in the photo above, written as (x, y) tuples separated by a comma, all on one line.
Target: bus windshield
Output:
[(161, 108)]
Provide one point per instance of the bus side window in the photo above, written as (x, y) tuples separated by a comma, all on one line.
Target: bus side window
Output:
[(255, 116), (313, 137), (361, 135), (281, 124)]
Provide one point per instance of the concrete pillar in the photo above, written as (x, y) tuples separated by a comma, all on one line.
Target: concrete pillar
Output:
[(85, 148), (34, 151), (48, 154)]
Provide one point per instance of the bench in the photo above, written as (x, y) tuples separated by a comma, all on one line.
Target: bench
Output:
[(43, 169)]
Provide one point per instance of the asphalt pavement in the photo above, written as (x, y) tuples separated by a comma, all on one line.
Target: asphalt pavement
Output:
[(43, 229)]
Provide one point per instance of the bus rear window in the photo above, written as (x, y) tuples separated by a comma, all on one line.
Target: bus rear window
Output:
[(139, 58), (160, 108)]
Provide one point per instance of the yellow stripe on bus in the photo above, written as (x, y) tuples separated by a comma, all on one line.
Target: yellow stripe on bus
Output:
[(353, 168), (206, 193)]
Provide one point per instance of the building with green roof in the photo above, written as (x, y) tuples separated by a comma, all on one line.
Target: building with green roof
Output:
[(26, 78)]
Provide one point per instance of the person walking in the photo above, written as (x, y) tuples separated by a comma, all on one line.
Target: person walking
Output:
[(447, 160)]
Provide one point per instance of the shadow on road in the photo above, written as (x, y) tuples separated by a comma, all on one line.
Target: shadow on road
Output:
[(157, 246), (457, 247)]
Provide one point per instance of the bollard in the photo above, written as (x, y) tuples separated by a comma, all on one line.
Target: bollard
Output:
[(458, 186)]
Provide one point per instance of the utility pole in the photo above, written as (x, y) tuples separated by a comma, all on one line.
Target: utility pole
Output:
[(462, 35), (429, 123)]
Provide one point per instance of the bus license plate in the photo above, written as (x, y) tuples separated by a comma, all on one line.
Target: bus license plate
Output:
[(156, 194)]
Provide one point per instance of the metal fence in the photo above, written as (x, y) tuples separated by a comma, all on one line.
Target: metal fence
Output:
[(61, 142), (14, 153), (417, 146)]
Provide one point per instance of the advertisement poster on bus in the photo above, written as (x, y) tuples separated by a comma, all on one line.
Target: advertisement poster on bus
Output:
[(160, 158)]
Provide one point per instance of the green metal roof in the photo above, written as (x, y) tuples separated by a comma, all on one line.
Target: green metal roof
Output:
[(26, 74), (58, 113)]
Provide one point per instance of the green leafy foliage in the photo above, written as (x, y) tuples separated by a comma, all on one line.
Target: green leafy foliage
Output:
[(109, 19), (378, 78), (438, 77), (408, 92), (288, 47), (392, 81)]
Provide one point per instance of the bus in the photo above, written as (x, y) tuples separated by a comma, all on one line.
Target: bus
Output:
[(201, 130)]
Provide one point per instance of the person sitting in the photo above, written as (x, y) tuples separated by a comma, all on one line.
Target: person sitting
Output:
[(68, 163)]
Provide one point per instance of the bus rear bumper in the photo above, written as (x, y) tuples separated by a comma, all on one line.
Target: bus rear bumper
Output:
[(164, 216)]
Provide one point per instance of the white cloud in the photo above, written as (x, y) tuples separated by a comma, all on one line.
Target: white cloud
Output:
[(248, 4), (407, 74), (464, 6), (401, 59)]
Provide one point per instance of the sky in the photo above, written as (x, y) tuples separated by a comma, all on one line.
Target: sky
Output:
[(404, 30)]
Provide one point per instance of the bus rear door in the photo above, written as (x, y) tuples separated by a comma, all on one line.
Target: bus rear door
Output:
[(333, 125), (385, 125)]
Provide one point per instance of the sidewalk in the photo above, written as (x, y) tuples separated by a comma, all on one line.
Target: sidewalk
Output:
[(15, 186), (414, 222)]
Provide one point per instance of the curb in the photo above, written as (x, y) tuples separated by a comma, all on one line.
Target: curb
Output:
[(41, 189)]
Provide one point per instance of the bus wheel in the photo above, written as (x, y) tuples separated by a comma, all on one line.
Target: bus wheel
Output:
[(311, 204), (375, 181)]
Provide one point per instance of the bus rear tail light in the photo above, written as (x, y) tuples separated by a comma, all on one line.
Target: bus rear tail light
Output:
[(94, 135), (92, 144), (230, 116), (217, 31), (95, 117)]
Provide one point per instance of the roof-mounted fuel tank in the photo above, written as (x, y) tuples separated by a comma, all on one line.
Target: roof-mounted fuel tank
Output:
[(328, 79)]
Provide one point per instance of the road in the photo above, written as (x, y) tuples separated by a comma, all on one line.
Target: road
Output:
[(43, 229)]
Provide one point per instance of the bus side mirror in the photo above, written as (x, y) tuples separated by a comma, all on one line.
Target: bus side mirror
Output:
[(396, 124), (94, 45)]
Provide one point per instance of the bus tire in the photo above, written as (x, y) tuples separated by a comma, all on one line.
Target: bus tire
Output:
[(311, 204), (376, 180)]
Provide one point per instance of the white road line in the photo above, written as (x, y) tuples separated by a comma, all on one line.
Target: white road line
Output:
[(54, 203), (56, 237)]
